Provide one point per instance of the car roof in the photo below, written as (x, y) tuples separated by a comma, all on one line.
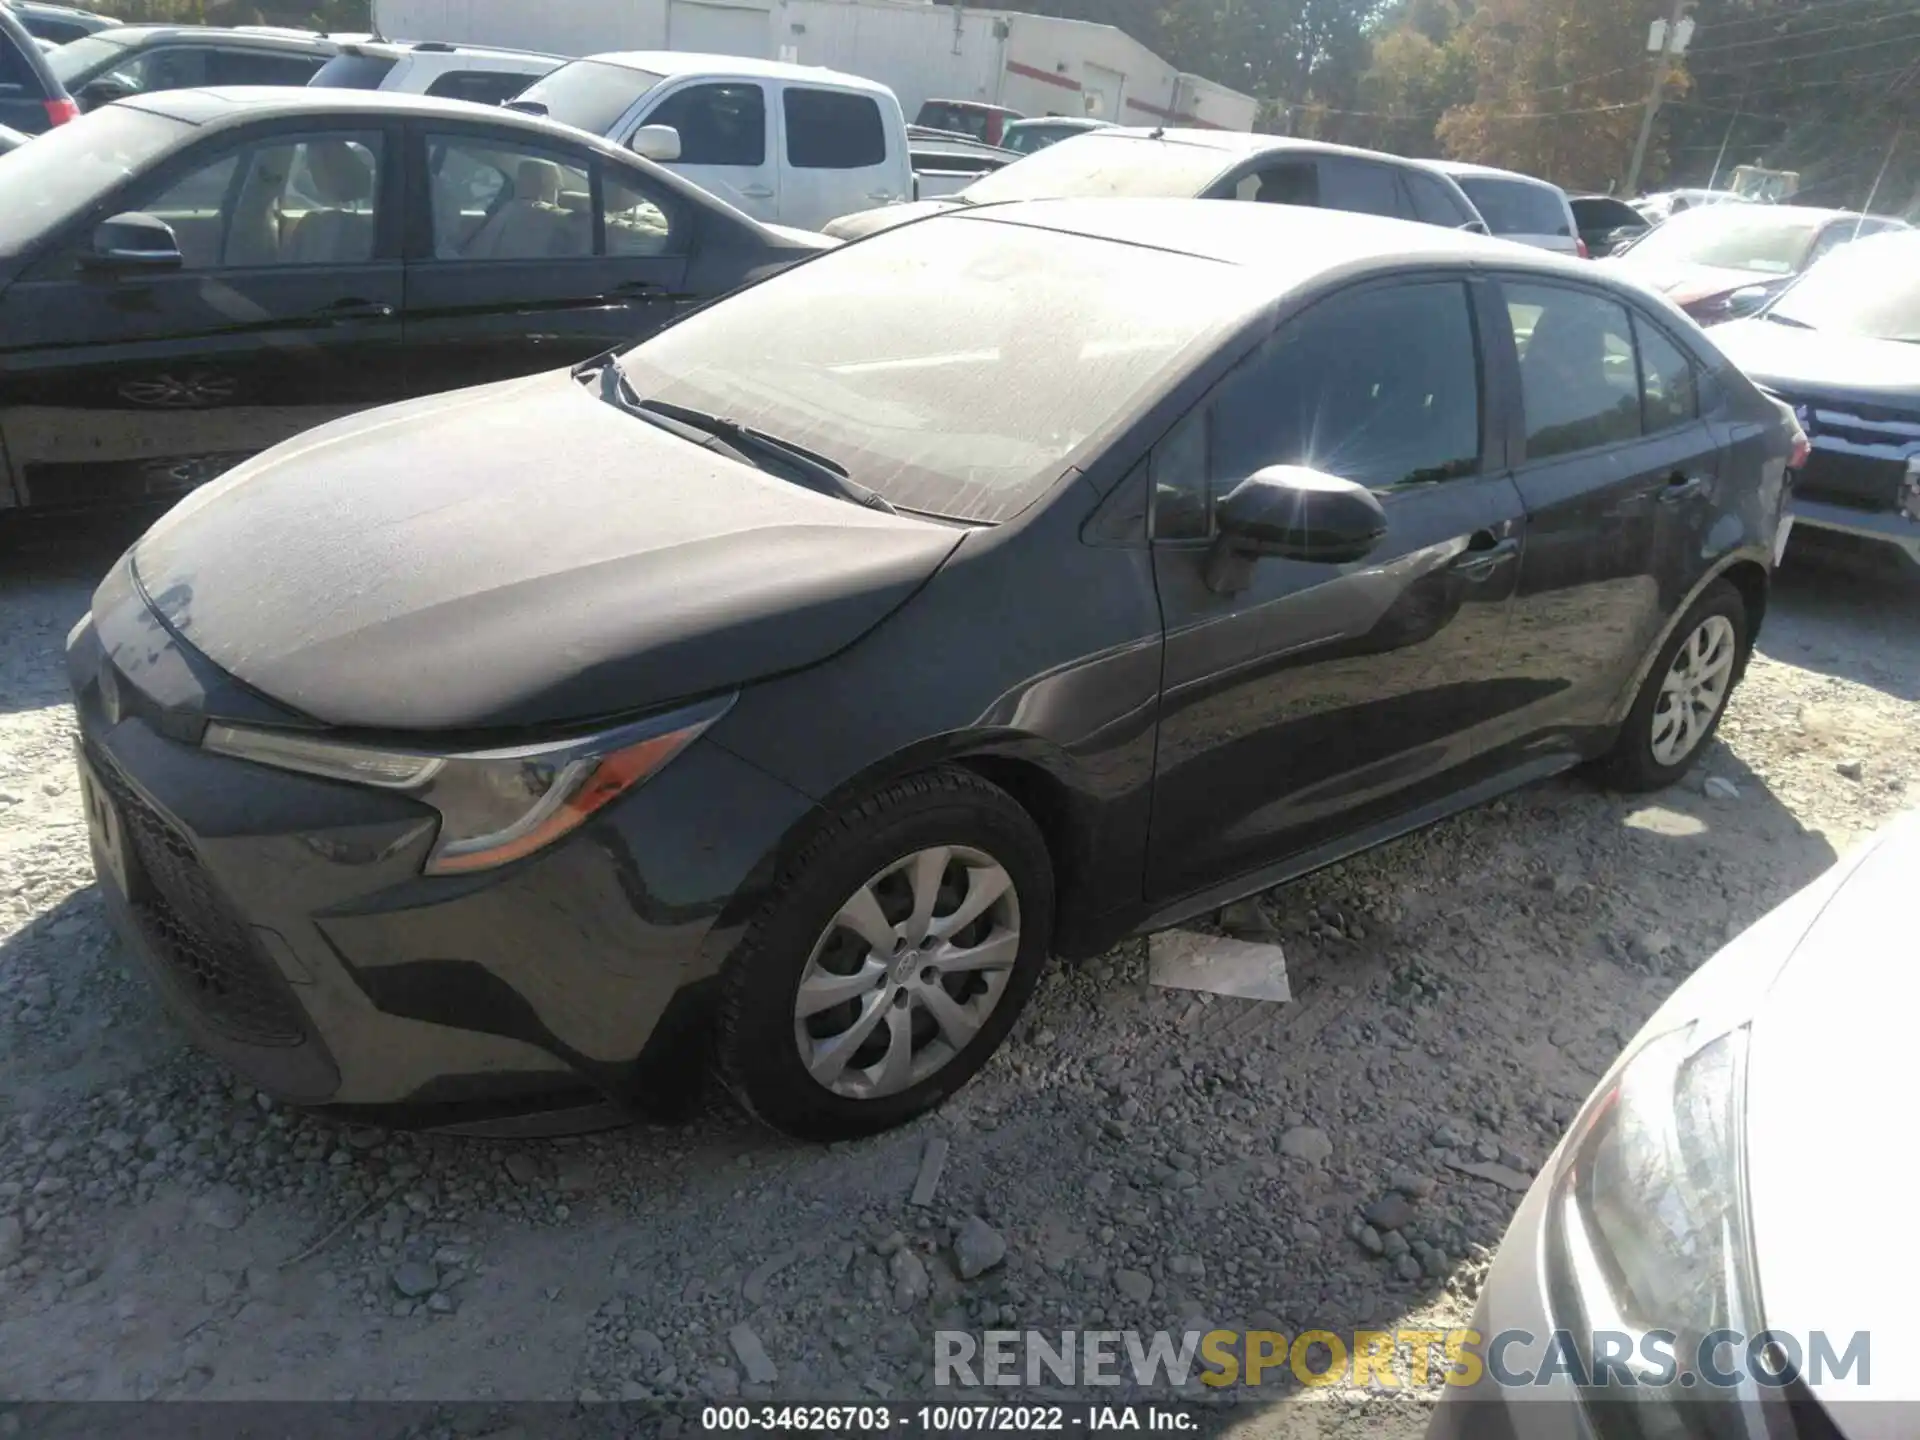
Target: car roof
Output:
[(1072, 122), (671, 63), (137, 35), (1460, 168), (400, 49), (1291, 243)]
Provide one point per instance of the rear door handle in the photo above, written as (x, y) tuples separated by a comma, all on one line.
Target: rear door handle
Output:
[(1485, 553), (1682, 487), (758, 192), (356, 310)]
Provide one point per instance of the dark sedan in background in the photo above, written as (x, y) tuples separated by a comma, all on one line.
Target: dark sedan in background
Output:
[(1205, 165), (1843, 348), (992, 589), (1721, 262), (190, 277)]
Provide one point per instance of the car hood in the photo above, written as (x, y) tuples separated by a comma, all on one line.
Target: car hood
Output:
[(863, 223), (1827, 1090), (1683, 283), (520, 554), (1817, 364)]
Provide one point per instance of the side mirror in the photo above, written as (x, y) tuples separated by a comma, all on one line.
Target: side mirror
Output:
[(133, 242), (1748, 299), (101, 92), (656, 142), (1288, 512)]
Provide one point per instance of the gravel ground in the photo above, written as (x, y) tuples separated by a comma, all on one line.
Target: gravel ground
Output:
[(1145, 1157)]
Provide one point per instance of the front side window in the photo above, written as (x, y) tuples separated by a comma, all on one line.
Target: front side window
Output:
[(722, 124), (293, 202), (172, 67), (833, 130), (1670, 387), (1287, 182), (958, 369), (1578, 379), (1380, 387), (496, 200), (1360, 186)]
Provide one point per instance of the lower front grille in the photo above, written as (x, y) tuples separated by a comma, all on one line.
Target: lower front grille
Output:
[(1865, 482), (207, 948)]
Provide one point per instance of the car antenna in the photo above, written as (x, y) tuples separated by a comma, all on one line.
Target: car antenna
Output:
[(1159, 133)]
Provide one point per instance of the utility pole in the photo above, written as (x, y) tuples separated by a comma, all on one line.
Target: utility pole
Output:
[(1673, 33)]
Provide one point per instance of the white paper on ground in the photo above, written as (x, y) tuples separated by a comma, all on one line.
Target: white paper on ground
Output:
[(1189, 960)]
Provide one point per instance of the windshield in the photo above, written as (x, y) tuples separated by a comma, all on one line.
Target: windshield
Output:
[(1733, 237), (1872, 289), (63, 171), (77, 61), (1513, 207), (1098, 165), (956, 367), (589, 95)]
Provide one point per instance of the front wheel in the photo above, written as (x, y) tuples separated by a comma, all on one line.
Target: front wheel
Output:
[(894, 958), (1685, 694)]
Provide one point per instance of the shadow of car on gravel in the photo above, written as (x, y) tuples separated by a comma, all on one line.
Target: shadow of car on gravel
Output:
[(1849, 611)]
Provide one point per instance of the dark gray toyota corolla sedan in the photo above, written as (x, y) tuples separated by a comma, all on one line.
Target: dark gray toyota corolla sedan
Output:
[(793, 685)]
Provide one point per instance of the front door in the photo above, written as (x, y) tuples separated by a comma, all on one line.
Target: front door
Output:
[(532, 258), (284, 313), (726, 142), (1322, 699)]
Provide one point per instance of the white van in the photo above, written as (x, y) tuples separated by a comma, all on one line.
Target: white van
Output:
[(789, 144)]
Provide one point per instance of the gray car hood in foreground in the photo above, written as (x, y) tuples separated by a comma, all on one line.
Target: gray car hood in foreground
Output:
[(515, 555), (1829, 1113)]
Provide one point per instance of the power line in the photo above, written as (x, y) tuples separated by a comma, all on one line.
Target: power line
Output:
[(1782, 17)]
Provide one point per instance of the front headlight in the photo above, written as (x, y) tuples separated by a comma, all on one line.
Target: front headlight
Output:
[(495, 805), (1648, 1230)]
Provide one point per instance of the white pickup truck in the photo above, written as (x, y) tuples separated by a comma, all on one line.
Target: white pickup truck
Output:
[(789, 144)]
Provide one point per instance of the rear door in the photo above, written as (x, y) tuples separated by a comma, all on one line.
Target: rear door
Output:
[(727, 143), (1618, 486), (841, 155), (284, 314), (1322, 700), (527, 255)]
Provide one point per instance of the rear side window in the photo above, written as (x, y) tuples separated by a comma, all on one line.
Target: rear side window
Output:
[(1433, 203), (1359, 186), (1513, 207), (718, 124), (1578, 379), (352, 72), (1669, 385), (255, 67), (832, 130), (481, 87)]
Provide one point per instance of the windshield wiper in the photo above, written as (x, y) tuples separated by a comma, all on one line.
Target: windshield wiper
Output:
[(820, 473), (752, 447), (1777, 318)]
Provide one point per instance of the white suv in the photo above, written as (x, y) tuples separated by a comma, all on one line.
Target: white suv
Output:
[(431, 67)]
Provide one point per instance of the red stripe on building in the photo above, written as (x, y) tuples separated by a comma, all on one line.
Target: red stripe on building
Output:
[(1045, 77), (1172, 117)]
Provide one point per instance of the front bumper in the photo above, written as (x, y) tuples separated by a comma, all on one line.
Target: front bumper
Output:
[(1886, 527), (286, 921)]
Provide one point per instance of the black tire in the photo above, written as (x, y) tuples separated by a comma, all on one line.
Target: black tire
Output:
[(758, 1050), (1632, 764)]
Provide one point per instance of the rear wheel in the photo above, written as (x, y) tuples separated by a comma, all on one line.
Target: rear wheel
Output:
[(896, 956), (1685, 694)]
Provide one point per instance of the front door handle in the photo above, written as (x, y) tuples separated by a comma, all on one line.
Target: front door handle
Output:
[(356, 310), (1485, 553), (881, 195), (1682, 487), (758, 192)]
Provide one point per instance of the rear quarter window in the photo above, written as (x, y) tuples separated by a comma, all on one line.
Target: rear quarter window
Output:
[(1514, 207), (352, 72), (832, 130)]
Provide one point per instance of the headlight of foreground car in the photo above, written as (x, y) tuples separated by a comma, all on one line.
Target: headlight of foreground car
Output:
[(495, 805), (1648, 1231)]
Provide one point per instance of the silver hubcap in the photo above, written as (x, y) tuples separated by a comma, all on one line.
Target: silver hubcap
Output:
[(907, 972), (1693, 691)]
